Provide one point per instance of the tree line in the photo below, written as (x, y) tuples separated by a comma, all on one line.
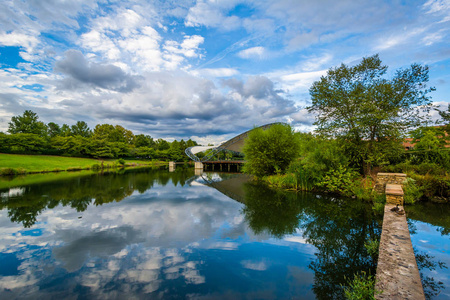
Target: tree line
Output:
[(29, 135)]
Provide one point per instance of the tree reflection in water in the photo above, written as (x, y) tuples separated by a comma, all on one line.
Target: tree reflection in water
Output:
[(79, 193), (338, 228)]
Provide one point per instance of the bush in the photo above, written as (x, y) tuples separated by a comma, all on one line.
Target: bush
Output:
[(287, 181), (304, 180), (340, 180), (121, 161), (269, 150), (433, 186), (412, 192)]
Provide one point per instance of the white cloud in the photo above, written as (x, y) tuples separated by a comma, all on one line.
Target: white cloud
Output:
[(438, 7), (253, 53), (219, 72), (19, 40), (212, 14)]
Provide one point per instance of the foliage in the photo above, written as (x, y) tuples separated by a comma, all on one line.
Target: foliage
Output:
[(339, 180), (271, 149), (361, 107), (22, 143), (27, 123), (30, 136), (81, 129), (412, 192), (362, 287), (433, 186), (420, 169)]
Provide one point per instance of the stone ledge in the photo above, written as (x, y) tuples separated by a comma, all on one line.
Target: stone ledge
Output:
[(394, 189), (392, 174)]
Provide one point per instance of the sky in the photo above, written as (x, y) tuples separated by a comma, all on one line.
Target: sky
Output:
[(206, 70)]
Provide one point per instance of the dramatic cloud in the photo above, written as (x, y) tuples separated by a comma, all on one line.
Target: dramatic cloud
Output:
[(99, 75)]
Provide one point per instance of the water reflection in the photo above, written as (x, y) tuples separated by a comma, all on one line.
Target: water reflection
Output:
[(429, 226), (156, 234), (338, 228)]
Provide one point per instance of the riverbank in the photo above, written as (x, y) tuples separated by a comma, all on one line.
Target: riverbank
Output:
[(16, 164)]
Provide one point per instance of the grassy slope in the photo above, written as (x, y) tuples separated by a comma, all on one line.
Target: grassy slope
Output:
[(43, 163)]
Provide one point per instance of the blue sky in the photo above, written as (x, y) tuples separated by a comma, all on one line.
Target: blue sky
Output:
[(202, 69)]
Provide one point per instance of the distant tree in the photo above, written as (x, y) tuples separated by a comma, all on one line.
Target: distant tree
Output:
[(175, 152), (53, 129), (65, 130), (27, 123), (103, 132), (271, 150), (162, 145), (362, 108), (142, 140), (191, 143), (429, 141), (81, 129)]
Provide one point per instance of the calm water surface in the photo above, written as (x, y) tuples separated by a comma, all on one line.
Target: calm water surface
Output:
[(150, 234)]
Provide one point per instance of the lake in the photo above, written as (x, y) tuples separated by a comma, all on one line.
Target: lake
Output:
[(155, 234)]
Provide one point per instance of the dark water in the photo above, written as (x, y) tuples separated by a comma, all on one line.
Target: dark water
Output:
[(149, 234)]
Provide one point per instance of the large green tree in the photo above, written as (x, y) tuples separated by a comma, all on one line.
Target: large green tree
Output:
[(271, 150), (368, 111), (27, 123)]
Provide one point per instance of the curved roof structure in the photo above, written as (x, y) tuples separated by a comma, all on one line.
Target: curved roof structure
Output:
[(235, 144)]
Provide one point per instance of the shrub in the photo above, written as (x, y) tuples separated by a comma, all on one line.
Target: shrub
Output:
[(412, 192), (363, 189), (304, 180), (339, 180), (121, 161), (267, 150), (95, 167), (432, 186)]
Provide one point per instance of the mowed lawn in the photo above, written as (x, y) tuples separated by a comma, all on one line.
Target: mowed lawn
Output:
[(46, 163)]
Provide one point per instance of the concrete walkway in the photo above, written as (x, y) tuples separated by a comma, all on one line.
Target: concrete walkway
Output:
[(397, 273)]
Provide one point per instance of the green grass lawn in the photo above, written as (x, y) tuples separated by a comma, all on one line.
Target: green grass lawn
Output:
[(46, 163)]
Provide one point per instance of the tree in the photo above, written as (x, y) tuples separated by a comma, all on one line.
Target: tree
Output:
[(271, 150), (27, 123), (53, 129), (361, 107), (142, 140), (81, 129), (65, 130)]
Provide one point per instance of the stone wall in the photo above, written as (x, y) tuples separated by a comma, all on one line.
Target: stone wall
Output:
[(388, 178)]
